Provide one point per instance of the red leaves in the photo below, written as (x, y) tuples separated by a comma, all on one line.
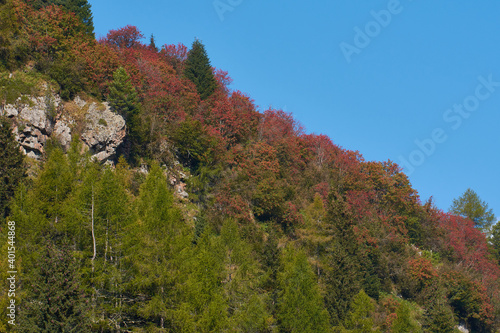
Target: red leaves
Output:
[(422, 270), (126, 37), (469, 245)]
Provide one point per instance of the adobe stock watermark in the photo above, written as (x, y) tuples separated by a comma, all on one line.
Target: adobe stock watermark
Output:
[(453, 116), (223, 6), (363, 37)]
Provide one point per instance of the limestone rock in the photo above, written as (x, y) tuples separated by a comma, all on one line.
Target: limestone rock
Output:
[(104, 132), (44, 117)]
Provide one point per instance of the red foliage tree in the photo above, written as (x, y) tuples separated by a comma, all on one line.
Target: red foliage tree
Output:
[(126, 37)]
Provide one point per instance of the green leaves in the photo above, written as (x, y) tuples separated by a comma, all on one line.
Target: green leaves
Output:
[(12, 170), (300, 305), (469, 205), (199, 71)]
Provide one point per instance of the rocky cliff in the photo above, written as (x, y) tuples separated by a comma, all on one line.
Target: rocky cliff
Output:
[(37, 119)]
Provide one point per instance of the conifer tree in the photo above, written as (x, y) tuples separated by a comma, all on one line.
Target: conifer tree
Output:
[(55, 301), (199, 70), (495, 241), (12, 170), (300, 305), (469, 205), (157, 250), (439, 318), (358, 320), (404, 323), (123, 99)]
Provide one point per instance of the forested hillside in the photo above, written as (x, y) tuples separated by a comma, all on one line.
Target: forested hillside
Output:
[(279, 230)]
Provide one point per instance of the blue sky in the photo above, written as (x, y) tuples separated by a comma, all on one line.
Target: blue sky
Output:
[(416, 82)]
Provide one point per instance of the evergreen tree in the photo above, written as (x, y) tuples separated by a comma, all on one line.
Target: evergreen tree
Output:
[(123, 99), (12, 169), (341, 274), (8, 26), (495, 240), (122, 95), (152, 43), (157, 250), (358, 319), (404, 323), (469, 205), (55, 301), (300, 305), (439, 318), (199, 70)]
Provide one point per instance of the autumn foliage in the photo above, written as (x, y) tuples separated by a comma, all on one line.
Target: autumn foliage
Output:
[(365, 241)]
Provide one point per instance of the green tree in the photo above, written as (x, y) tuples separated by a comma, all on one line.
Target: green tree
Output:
[(12, 169), (199, 70), (55, 301), (122, 95), (342, 273), (123, 99), (300, 305), (8, 26), (157, 251), (404, 323), (469, 205), (358, 319), (439, 318), (495, 240)]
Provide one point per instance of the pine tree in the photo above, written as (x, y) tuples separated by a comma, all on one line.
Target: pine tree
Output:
[(199, 70), (12, 169), (300, 305), (469, 205)]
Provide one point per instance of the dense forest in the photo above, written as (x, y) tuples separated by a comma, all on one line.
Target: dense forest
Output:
[(280, 230)]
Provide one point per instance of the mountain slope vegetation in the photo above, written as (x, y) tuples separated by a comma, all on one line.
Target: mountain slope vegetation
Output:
[(282, 231)]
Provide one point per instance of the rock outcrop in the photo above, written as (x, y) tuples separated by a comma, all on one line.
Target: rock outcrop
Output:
[(104, 131), (46, 117)]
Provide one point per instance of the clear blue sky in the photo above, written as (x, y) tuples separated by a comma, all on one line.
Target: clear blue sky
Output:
[(418, 70)]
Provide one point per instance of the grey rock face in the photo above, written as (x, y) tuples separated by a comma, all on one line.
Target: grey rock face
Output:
[(104, 132), (45, 117)]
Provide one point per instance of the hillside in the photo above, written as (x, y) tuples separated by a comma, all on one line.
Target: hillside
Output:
[(141, 194)]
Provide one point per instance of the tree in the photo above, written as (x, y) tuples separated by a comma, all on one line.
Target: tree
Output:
[(404, 323), (123, 99), (8, 26), (300, 305), (12, 170), (358, 319), (199, 71), (122, 95), (469, 205), (495, 240), (439, 318), (157, 250), (81, 8), (152, 43), (55, 301), (126, 37)]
